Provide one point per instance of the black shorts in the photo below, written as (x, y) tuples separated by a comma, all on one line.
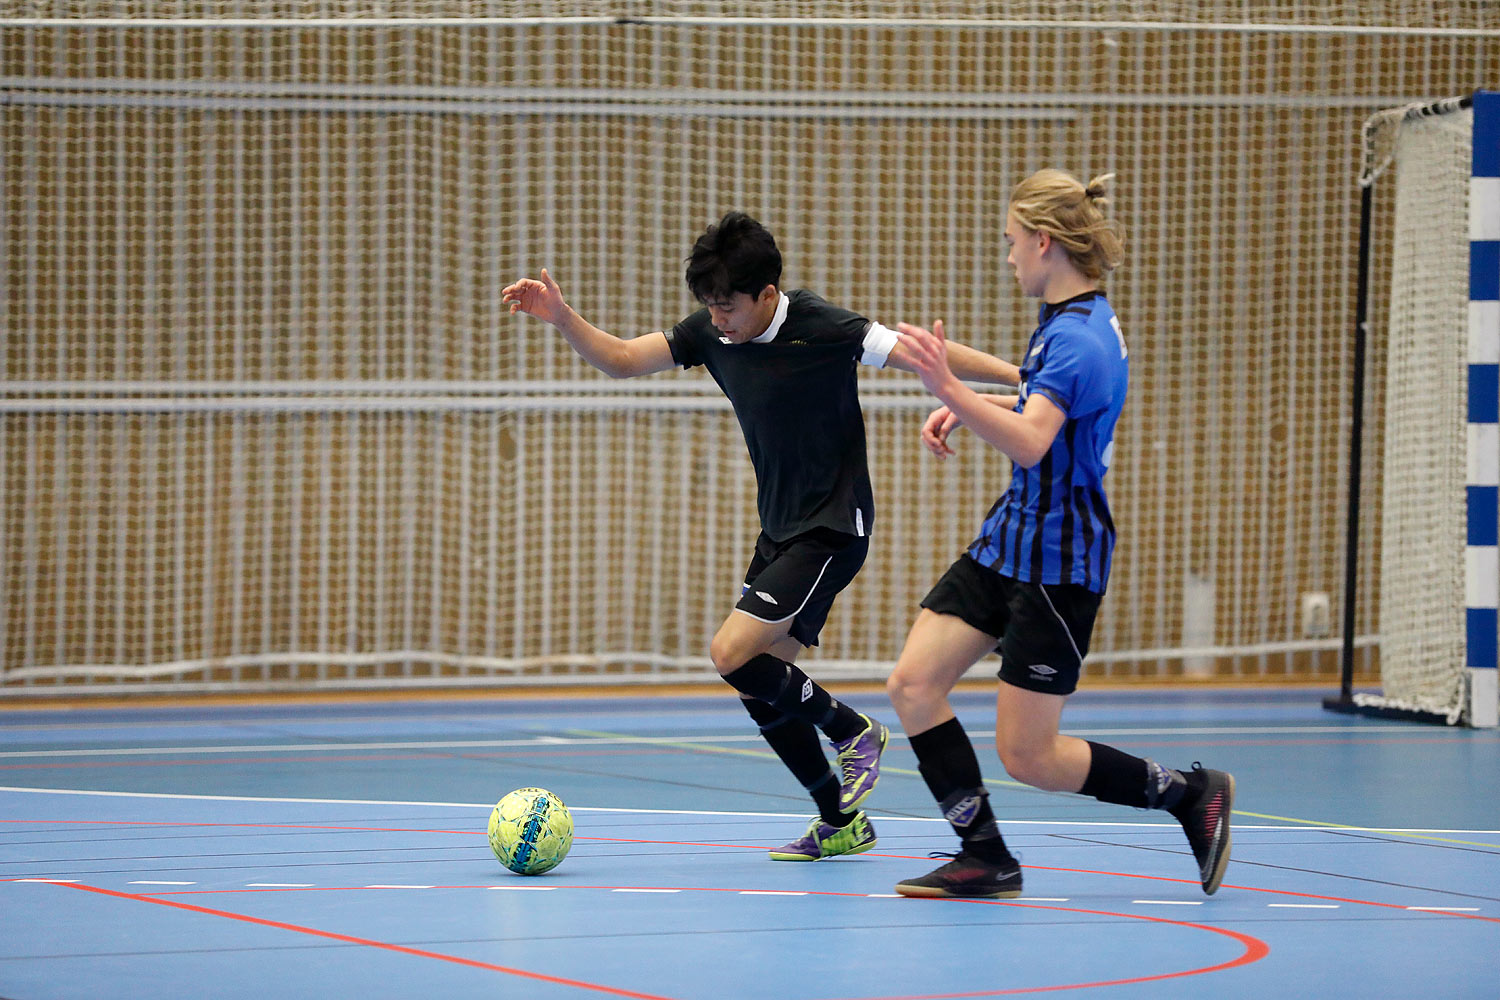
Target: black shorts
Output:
[(1043, 629), (796, 580)]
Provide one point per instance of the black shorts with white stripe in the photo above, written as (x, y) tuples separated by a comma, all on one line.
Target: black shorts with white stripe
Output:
[(1042, 630), (797, 579)]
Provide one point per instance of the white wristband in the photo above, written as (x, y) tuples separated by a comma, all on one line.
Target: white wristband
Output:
[(878, 343)]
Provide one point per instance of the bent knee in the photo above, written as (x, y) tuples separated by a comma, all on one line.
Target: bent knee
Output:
[(1025, 769), (911, 688), (726, 656), (1028, 765), (733, 646)]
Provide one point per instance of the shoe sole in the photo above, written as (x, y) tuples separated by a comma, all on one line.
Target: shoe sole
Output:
[(933, 892), (1217, 875), (854, 803), (778, 856)]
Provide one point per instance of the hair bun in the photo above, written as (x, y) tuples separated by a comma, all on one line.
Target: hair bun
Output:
[(1098, 188)]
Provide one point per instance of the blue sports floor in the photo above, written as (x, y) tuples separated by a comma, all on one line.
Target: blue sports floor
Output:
[(338, 850)]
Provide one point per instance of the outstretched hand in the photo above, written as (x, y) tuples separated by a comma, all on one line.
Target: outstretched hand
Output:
[(542, 299), (928, 354)]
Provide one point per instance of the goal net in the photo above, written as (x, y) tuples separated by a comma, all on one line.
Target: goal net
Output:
[(1439, 571), (264, 421)]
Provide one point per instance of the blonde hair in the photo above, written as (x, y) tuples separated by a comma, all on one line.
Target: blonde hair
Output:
[(1058, 204)]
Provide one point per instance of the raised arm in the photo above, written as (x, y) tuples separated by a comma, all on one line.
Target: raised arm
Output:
[(966, 363), (1025, 437), (614, 356)]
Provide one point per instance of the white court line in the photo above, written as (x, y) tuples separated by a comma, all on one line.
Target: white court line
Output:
[(767, 892), (1064, 824), (603, 741), (187, 797), (1445, 909), (749, 892), (378, 886)]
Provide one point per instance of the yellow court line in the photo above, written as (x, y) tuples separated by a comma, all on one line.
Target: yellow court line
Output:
[(1364, 829), (766, 754), (706, 748), (596, 734)]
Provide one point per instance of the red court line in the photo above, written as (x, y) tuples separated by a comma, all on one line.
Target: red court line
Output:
[(1274, 892), (376, 829), (354, 829), (246, 826), (1405, 908), (271, 756), (1366, 902), (1255, 948), (749, 847), (350, 939), (1263, 741)]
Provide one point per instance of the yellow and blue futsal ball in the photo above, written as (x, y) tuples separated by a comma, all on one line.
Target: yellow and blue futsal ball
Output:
[(531, 831)]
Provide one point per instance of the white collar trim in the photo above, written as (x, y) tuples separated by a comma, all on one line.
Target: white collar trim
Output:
[(776, 321)]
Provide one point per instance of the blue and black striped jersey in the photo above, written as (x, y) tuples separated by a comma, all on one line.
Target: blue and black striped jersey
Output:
[(1052, 525)]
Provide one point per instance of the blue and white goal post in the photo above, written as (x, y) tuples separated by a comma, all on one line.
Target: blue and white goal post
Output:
[(1482, 562), (1439, 477)]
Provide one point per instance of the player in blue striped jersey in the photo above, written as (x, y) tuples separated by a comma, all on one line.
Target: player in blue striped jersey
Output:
[(1030, 584), (1053, 525)]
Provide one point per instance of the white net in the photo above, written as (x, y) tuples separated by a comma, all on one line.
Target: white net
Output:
[(1423, 529), (266, 423)]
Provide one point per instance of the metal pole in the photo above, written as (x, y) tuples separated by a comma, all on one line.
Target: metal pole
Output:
[(1345, 701)]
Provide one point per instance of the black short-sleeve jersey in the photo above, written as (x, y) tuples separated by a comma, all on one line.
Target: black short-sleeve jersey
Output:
[(794, 390)]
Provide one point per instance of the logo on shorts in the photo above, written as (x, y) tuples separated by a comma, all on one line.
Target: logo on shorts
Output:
[(1042, 670), (807, 689), (765, 597)]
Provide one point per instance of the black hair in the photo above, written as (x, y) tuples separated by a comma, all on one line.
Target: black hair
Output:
[(736, 254)]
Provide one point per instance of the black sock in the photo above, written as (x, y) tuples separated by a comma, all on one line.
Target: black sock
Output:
[(946, 759), (784, 686), (797, 744), (1124, 780), (1194, 782)]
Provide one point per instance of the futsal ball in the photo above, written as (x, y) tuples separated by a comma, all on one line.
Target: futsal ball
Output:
[(531, 831)]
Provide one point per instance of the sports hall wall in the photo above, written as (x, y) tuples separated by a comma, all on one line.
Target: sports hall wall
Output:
[(267, 424)]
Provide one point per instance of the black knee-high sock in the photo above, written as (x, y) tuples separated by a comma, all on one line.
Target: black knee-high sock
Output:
[(1117, 777), (946, 759), (797, 744), (784, 685)]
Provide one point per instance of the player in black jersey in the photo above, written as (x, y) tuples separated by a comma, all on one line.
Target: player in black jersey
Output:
[(787, 362)]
